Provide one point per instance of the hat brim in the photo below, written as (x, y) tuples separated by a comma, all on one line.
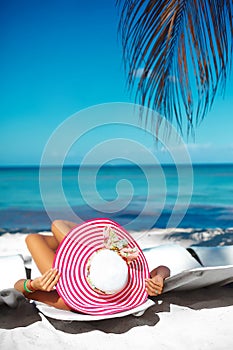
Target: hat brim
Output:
[(71, 260)]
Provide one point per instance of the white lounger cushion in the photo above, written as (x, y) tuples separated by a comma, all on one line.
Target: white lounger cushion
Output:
[(57, 314), (12, 269), (175, 257), (199, 278), (215, 256)]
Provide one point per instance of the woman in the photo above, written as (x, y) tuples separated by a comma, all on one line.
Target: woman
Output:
[(43, 249)]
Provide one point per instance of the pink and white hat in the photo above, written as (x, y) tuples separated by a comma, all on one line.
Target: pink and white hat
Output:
[(103, 270)]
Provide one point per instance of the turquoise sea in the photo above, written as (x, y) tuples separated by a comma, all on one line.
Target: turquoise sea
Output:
[(138, 198)]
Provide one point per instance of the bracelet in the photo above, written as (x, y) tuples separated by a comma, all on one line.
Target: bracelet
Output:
[(30, 286), (26, 288)]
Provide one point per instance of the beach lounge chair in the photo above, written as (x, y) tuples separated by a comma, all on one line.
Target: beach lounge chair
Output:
[(194, 267), (11, 268), (191, 268)]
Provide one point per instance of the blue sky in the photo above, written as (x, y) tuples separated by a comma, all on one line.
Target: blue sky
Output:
[(59, 57)]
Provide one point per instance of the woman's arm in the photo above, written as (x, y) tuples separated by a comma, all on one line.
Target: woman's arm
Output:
[(163, 271), (154, 285), (41, 289)]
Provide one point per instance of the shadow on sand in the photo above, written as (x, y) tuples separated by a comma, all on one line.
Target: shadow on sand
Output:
[(212, 297)]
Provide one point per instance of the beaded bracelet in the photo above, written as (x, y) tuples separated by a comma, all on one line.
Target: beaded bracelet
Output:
[(26, 288)]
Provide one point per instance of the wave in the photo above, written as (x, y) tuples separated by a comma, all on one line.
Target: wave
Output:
[(197, 216)]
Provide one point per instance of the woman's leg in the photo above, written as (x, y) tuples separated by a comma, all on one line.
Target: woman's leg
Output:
[(60, 228), (43, 247), (41, 252)]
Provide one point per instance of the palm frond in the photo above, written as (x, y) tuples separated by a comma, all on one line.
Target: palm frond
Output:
[(177, 53)]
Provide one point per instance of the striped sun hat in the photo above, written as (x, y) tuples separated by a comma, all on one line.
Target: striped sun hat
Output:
[(84, 250)]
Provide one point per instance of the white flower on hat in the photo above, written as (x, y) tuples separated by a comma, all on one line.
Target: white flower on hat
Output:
[(112, 242)]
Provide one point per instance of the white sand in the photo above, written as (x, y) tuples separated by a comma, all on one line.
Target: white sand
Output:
[(200, 319)]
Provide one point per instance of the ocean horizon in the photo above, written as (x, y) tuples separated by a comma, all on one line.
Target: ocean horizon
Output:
[(137, 197)]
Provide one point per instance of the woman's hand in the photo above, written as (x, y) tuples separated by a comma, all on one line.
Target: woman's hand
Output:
[(47, 281), (154, 285)]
